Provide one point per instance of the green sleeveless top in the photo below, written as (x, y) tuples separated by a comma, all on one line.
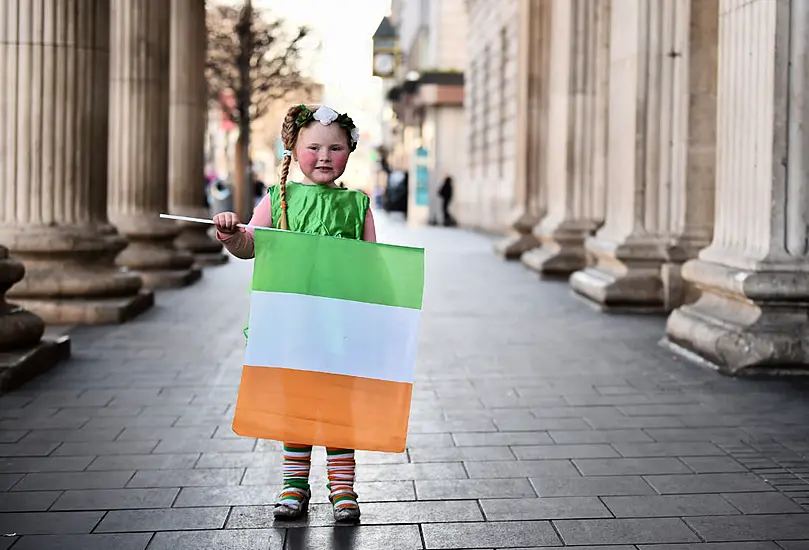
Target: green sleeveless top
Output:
[(321, 210)]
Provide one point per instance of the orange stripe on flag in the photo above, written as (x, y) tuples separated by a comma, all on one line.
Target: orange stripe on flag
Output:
[(288, 405)]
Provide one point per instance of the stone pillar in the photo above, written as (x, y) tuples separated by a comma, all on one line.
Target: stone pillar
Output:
[(533, 55), (754, 277), (638, 236), (596, 120), (577, 129), (188, 113), (23, 352), (138, 162), (53, 112), (687, 137)]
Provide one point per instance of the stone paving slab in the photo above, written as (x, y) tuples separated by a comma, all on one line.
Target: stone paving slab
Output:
[(536, 423), (137, 541)]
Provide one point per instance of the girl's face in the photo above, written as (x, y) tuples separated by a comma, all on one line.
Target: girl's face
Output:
[(322, 152)]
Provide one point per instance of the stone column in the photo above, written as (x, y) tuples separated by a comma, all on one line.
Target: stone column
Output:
[(138, 163), (754, 277), (687, 137), (53, 112), (597, 117), (23, 352), (533, 55), (575, 182), (628, 250), (188, 113)]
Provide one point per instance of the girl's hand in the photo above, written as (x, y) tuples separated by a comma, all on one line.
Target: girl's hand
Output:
[(226, 223)]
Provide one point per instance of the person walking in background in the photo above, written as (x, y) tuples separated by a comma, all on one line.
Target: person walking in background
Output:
[(445, 192)]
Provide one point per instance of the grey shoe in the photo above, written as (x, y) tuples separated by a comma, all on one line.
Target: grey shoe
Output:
[(286, 510), (347, 514)]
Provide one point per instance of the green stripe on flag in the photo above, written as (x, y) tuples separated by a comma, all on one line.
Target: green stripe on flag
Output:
[(300, 263)]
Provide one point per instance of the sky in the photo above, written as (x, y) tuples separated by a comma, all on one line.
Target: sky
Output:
[(343, 64), (345, 60)]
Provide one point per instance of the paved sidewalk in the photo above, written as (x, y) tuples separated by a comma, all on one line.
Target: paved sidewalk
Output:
[(536, 423)]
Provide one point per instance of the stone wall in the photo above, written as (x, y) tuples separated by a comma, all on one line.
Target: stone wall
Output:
[(448, 34), (485, 194)]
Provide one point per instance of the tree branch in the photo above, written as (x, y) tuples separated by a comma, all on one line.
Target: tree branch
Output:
[(274, 59)]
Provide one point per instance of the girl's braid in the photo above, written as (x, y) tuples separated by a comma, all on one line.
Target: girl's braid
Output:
[(289, 136)]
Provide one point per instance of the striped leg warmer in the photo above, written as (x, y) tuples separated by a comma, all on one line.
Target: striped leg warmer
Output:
[(297, 461), (341, 464)]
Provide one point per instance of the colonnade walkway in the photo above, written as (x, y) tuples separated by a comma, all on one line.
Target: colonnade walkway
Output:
[(536, 422)]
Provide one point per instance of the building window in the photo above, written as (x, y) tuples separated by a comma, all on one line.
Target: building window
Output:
[(501, 138), (485, 114)]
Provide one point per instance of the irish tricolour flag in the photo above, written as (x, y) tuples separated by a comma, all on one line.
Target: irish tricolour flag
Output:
[(332, 342)]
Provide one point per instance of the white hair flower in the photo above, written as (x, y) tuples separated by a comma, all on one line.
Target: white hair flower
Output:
[(325, 115)]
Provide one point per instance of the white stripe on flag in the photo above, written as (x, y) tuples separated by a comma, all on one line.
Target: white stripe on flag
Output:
[(312, 333)]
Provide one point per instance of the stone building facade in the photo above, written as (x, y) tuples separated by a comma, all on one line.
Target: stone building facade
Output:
[(659, 164), (426, 93), (103, 109), (485, 197)]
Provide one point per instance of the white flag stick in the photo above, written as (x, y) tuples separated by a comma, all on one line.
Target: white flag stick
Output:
[(210, 222)]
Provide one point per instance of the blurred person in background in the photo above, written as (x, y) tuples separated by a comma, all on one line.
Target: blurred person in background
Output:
[(445, 192)]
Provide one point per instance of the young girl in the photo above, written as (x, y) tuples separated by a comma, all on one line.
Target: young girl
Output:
[(320, 141)]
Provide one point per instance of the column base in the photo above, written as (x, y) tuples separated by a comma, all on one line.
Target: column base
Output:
[(562, 249), (521, 240), (71, 277), (745, 322), (625, 279), (18, 328), (23, 352), (153, 254), (19, 366), (196, 240), (514, 246), (209, 260), (553, 263), (162, 279), (676, 290), (90, 311)]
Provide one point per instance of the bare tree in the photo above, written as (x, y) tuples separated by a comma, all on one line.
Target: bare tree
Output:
[(255, 58)]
